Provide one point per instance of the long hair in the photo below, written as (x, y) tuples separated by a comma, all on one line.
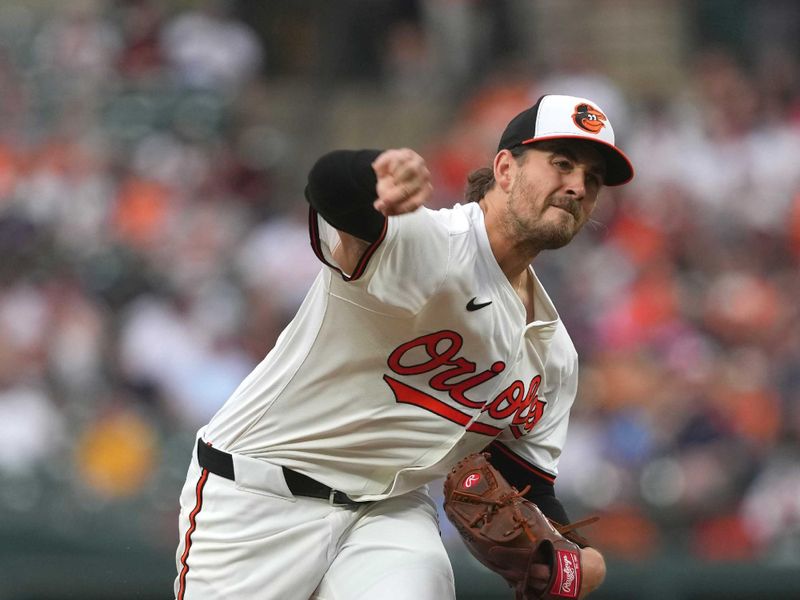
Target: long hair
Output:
[(480, 181)]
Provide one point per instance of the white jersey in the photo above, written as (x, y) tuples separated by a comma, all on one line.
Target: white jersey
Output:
[(388, 376)]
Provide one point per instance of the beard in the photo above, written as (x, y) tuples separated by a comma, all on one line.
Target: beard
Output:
[(543, 231), (550, 236)]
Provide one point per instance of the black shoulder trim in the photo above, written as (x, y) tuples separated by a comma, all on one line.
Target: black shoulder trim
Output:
[(361, 265)]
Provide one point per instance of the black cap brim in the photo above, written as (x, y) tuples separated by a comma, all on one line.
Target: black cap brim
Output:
[(619, 169)]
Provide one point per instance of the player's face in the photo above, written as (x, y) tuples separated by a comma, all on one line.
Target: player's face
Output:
[(555, 191)]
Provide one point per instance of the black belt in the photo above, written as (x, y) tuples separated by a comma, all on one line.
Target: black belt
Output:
[(221, 463)]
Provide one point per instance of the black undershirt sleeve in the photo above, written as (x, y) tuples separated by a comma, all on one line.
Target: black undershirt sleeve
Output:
[(542, 492), (341, 188)]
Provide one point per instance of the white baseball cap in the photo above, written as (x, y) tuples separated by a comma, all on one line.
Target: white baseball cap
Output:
[(558, 117)]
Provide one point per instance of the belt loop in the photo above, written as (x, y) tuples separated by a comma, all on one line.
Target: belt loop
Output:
[(214, 460), (339, 499)]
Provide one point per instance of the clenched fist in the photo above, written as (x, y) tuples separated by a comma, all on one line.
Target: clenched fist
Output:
[(404, 182)]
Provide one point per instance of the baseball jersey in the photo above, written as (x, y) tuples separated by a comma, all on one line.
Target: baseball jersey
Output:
[(390, 374)]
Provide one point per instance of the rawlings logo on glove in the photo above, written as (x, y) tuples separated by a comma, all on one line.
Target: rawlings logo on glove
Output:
[(568, 574), (510, 535)]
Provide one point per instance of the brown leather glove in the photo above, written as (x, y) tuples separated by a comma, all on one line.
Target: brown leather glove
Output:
[(509, 534)]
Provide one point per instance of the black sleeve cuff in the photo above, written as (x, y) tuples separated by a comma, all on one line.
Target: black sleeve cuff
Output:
[(542, 491), (341, 188)]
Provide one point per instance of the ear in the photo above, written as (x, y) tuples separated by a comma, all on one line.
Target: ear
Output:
[(505, 168)]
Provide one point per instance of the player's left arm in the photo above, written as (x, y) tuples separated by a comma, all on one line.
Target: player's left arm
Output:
[(520, 475), (533, 459), (542, 494)]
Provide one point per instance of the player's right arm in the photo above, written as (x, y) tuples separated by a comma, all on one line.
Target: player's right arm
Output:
[(356, 190)]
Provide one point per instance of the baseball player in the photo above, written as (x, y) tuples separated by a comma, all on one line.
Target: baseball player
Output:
[(426, 337)]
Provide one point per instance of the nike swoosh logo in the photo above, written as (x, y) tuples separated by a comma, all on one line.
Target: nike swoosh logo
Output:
[(472, 305)]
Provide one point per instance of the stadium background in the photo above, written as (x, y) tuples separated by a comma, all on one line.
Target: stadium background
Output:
[(153, 244)]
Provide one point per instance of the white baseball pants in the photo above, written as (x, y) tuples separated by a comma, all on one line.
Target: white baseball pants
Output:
[(252, 539)]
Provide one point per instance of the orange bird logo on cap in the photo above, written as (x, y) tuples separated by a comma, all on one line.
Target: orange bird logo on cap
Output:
[(588, 118)]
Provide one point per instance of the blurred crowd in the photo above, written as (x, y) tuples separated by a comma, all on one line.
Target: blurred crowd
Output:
[(152, 251)]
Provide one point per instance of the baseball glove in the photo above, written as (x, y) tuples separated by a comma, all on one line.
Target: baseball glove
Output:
[(510, 535)]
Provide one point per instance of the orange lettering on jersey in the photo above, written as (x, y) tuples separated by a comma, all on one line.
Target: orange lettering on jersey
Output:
[(440, 349), (456, 390), (430, 343), (530, 412), (433, 351), (507, 402), (526, 408)]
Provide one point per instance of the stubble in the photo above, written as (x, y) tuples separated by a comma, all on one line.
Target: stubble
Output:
[(535, 226)]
